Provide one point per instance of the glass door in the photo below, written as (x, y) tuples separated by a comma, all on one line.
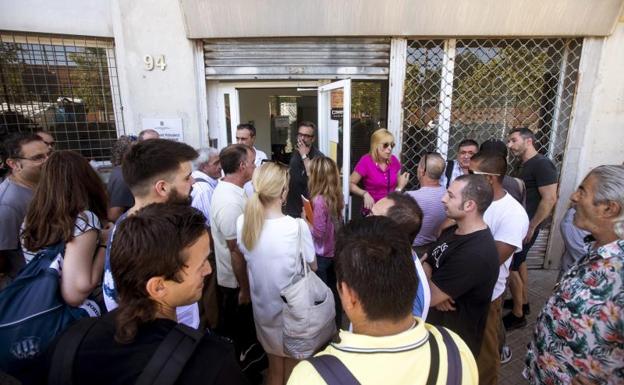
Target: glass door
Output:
[(334, 130)]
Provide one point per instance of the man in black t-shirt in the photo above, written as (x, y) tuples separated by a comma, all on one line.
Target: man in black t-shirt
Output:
[(299, 164), (540, 178), (462, 265)]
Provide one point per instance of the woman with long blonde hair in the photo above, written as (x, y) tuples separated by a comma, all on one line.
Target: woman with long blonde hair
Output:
[(272, 243), (327, 205)]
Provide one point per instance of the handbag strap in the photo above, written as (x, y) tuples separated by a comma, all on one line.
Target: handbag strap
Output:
[(172, 354), (62, 365), (300, 257), (332, 370)]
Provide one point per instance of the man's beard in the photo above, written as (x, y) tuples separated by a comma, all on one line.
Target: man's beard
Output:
[(178, 199)]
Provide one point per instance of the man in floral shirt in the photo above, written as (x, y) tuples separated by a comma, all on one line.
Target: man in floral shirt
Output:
[(579, 336)]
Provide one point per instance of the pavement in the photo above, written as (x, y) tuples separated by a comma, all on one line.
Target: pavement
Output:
[(541, 283)]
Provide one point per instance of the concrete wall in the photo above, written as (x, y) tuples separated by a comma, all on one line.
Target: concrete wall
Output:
[(597, 129), (253, 18), (68, 17), (156, 27)]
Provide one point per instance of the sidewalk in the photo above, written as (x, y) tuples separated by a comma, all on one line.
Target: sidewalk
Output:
[(541, 283)]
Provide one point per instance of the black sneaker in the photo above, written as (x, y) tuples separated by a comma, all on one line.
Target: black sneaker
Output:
[(508, 304), (512, 322)]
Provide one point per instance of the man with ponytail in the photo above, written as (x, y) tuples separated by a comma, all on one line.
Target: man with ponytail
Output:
[(155, 275)]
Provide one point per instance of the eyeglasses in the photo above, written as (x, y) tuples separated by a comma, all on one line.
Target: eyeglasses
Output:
[(473, 172), (305, 135), (36, 158), (386, 145)]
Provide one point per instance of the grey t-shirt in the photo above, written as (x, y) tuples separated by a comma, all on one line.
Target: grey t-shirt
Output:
[(14, 200), (118, 191)]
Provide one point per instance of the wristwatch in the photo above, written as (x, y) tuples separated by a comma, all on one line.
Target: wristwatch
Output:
[(304, 157)]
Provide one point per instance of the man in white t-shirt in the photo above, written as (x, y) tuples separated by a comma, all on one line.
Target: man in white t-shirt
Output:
[(508, 222), (227, 204), (246, 134)]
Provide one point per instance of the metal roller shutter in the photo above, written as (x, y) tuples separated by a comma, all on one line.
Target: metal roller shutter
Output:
[(297, 58)]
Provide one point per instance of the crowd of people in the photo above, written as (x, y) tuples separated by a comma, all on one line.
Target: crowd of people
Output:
[(175, 271)]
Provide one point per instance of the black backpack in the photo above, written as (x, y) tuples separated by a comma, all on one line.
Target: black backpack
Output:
[(164, 367)]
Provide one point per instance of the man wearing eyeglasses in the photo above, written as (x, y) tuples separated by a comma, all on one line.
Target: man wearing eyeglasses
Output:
[(47, 138), (299, 166), (24, 155), (454, 168)]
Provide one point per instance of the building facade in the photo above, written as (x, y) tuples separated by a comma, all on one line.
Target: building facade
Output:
[(432, 72)]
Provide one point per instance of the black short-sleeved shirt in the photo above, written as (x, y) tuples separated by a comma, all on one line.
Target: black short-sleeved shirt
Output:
[(536, 172), (466, 268), (298, 183), (101, 360), (118, 191)]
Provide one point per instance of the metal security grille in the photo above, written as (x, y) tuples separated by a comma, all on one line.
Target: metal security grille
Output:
[(482, 88), (64, 85), (297, 58)]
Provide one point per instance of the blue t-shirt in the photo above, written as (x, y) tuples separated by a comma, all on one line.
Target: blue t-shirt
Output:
[(108, 284), (423, 293)]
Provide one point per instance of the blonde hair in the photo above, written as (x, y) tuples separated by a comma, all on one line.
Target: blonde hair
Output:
[(270, 181), (324, 180), (379, 136)]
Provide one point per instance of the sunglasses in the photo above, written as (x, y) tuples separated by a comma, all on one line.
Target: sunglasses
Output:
[(305, 135), (388, 144), (273, 161), (473, 172)]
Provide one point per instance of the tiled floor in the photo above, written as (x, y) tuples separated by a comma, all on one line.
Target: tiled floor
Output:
[(541, 283)]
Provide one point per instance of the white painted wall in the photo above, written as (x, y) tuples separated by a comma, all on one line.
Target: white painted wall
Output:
[(597, 130), (271, 18), (69, 17), (156, 27)]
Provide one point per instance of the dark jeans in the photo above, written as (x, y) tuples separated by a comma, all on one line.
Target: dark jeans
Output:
[(235, 321), (325, 271)]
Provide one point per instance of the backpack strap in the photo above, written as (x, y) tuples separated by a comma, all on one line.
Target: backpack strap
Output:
[(332, 370), (202, 180), (434, 366), (172, 354), (62, 365), (449, 171), (454, 373)]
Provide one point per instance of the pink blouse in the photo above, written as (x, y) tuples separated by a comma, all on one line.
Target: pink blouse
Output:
[(376, 182), (323, 228)]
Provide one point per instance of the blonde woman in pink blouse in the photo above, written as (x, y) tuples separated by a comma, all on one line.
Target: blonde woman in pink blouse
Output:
[(378, 171)]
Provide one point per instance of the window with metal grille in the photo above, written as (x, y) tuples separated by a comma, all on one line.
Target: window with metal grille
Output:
[(481, 89), (67, 86), (457, 89)]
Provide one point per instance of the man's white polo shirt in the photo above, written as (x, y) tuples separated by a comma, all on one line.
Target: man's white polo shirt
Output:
[(227, 204)]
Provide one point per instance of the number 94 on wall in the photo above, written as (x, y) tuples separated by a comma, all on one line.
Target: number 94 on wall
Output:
[(150, 63)]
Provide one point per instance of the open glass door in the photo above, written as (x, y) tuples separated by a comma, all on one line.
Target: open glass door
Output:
[(334, 131), (229, 115)]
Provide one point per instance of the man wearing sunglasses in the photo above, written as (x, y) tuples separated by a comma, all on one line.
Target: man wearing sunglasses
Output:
[(24, 155), (508, 222), (299, 165)]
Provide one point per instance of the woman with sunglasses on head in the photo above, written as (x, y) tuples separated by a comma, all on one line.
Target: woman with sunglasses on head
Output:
[(271, 243), (379, 171)]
